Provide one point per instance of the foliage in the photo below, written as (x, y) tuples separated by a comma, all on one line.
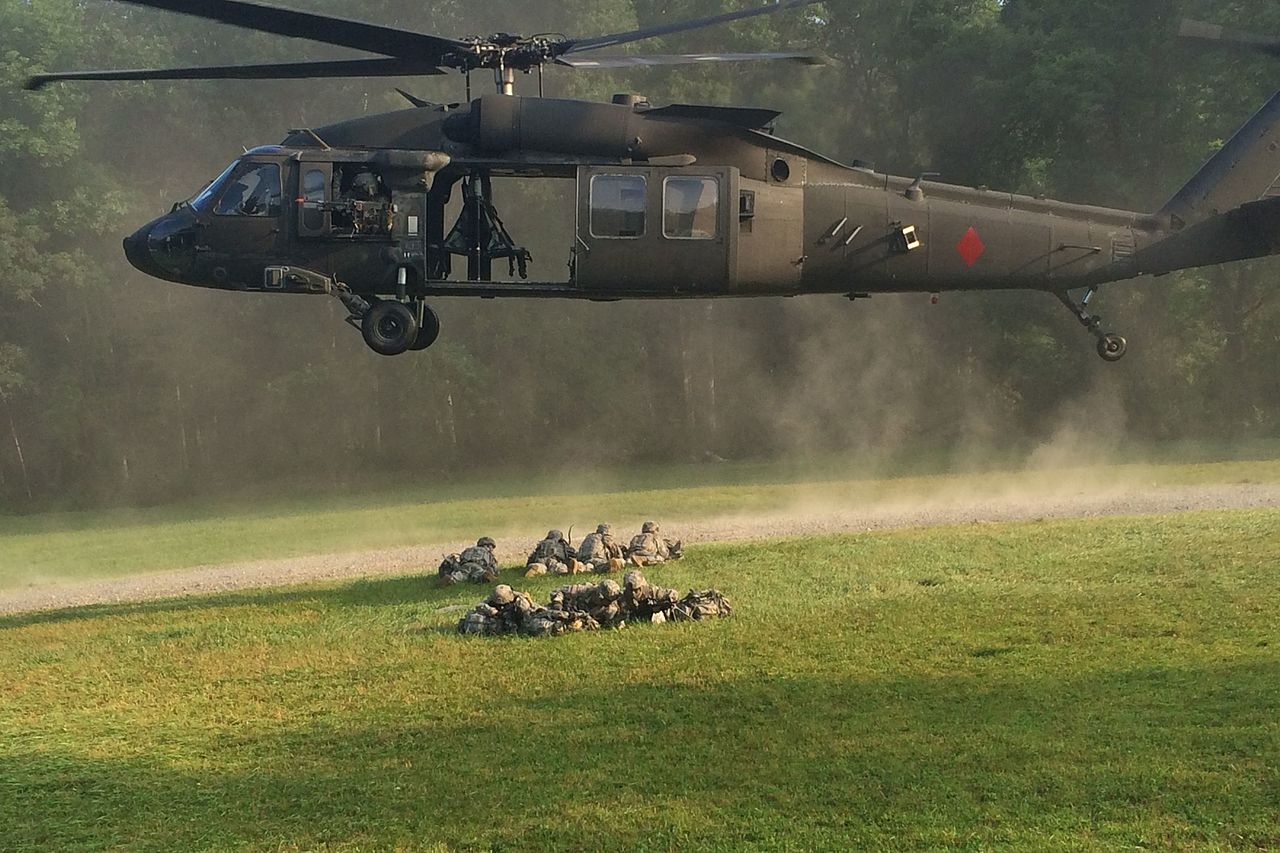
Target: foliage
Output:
[(134, 391)]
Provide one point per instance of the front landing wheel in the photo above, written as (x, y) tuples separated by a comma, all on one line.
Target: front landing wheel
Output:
[(1112, 347), (389, 328), (428, 329)]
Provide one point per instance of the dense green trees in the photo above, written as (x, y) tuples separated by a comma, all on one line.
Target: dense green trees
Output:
[(114, 387)]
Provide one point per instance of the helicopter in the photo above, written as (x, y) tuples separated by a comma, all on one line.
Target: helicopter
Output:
[(674, 201)]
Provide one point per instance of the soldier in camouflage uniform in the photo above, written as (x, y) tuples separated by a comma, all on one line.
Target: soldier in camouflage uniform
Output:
[(553, 555), (648, 548), (476, 564), (590, 607), (601, 551)]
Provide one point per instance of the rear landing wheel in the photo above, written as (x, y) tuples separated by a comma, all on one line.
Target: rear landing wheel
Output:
[(1112, 347), (389, 328)]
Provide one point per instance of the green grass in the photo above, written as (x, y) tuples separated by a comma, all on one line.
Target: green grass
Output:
[(1051, 685), (53, 548)]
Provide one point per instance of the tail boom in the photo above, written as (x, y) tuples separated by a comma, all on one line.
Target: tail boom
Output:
[(1251, 230)]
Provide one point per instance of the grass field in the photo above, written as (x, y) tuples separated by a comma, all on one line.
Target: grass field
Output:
[(1051, 685), (52, 548)]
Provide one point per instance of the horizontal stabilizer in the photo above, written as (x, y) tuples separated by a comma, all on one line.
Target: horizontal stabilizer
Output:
[(1249, 231)]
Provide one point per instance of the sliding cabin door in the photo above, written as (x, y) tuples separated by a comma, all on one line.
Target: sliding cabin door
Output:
[(659, 231)]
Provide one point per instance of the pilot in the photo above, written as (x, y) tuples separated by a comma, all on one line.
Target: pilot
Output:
[(233, 201)]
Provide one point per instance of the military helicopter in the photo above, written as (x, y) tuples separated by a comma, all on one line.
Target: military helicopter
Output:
[(676, 201)]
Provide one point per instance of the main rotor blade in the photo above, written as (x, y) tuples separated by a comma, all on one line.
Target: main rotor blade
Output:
[(1200, 31), (579, 45), (388, 41), (574, 61), (388, 67)]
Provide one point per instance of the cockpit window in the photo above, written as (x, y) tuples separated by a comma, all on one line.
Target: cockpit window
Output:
[(254, 192), (202, 198)]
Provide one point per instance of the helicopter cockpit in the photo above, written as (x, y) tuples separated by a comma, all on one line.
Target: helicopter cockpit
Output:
[(253, 191), (224, 234)]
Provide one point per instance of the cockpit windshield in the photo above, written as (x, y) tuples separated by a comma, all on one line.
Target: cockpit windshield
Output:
[(205, 197)]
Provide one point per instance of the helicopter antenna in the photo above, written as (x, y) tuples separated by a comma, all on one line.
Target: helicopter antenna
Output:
[(406, 53)]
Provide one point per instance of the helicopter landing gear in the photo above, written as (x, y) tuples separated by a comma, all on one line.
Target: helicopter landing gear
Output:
[(389, 328), (1111, 347), (428, 327)]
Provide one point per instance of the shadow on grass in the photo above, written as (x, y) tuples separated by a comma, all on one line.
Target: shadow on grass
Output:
[(419, 589), (1160, 757)]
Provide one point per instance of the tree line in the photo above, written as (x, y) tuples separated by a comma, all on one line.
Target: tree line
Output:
[(115, 388)]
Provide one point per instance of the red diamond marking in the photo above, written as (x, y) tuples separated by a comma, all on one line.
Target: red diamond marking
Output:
[(970, 247)]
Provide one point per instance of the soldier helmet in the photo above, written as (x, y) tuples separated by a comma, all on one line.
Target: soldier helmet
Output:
[(365, 182), (649, 527), (486, 542), (555, 535), (603, 528)]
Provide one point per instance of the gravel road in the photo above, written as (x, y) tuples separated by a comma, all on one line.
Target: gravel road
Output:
[(399, 561)]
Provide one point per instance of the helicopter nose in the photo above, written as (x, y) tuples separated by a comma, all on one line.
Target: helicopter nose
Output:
[(138, 253), (164, 248)]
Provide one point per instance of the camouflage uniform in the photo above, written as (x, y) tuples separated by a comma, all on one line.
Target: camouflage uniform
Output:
[(554, 554), (506, 611), (642, 601), (599, 601), (590, 607), (600, 550), (474, 565), (648, 548)]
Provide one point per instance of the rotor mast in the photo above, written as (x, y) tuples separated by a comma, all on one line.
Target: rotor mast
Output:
[(505, 78)]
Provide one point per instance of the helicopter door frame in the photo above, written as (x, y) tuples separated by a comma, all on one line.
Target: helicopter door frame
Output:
[(634, 237), (236, 245), (312, 215)]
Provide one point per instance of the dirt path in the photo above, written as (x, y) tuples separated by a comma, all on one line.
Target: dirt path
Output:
[(399, 561)]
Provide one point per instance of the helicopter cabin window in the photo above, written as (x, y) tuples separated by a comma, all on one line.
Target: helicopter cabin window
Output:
[(254, 192), (690, 208), (618, 206), (313, 185)]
